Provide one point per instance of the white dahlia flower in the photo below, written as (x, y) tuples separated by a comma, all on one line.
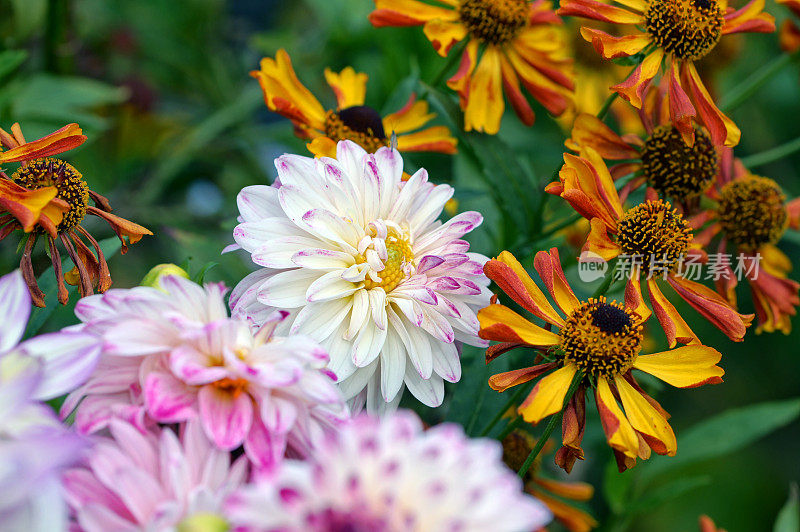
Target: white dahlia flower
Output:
[(388, 475), (359, 259)]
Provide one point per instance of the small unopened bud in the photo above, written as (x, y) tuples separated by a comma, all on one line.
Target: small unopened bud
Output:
[(153, 277), (203, 522)]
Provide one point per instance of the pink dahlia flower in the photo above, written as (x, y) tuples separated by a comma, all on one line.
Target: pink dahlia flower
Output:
[(150, 481), (173, 355), (388, 475), (360, 260)]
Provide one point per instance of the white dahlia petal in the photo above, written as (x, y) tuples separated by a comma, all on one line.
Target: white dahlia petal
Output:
[(366, 268)]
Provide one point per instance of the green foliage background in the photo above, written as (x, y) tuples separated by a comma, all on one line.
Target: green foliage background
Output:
[(177, 127)]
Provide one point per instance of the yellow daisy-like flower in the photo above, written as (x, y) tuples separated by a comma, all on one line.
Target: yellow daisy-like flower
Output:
[(523, 43), (673, 33), (600, 342), (351, 120)]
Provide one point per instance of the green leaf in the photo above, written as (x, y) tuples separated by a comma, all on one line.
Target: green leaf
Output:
[(671, 490), (47, 283), (724, 434), (200, 276), (10, 60), (789, 517), (28, 16), (616, 488)]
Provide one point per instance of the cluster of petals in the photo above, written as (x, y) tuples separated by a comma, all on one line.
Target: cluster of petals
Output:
[(689, 100), (34, 446), (359, 259), (151, 480), (388, 474), (633, 433), (171, 355), (533, 56)]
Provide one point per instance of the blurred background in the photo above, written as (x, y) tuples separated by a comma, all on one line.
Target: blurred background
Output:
[(177, 127)]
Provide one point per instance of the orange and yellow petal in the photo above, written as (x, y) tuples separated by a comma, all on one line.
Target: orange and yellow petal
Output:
[(547, 397), (503, 381), (789, 36), (598, 241), (484, 101), (713, 307), (502, 324), (514, 280), (553, 96), (588, 130), (412, 116), (675, 327), (26, 205), (349, 86), (408, 13), (750, 18), (460, 82), (587, 185), (444, 34), (611, 47), (634, 300), (68, 137), (122, 227), (634, 87), (322, 147), (619, 432), (592, 9), (574, 519), (514, 94), (548, 265), (285, 95), (685, 367), (681, 110), (721, 128), (435, 139), (646, 419)]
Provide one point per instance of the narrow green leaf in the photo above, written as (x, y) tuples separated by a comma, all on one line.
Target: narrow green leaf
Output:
[(789, 517), (201, 275), (10, 60), (671, 490), (723, 434)]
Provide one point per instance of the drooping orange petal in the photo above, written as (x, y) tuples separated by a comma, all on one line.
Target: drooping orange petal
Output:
[(681, 110), (592, 9), (124, 228), (484, 101), (619, 433), (502, 324), (598, 241), (611, 47), (713, 307), (547, 397), (685, 367), (503, 381), (789, 36), (646, 419), (460, 82), (285, 95), (675, 327), (553, 96), (721, 128), (634, 87), (634, 300), (588, 130), (512, 279), (512, 91), (750, 18), (549, 267), (349, 86), (574, 519), (407, 13), (23, 204), (68, 137)]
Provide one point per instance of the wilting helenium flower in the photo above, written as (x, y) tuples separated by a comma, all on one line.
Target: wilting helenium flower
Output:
[(387, 474), (173, 355), (358, 257)]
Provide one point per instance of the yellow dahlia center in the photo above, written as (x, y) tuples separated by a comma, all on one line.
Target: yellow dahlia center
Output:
[(68, 181), (676, 169), (602, 339), (399, 257), (752, 212), (655, 234), (494, 21), (688, 29), (361, 124)]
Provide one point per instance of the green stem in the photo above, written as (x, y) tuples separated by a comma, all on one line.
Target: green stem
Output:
[(551, 425), (774, 154), (607, 281), (742, 92), (607, 105), (511, 401)]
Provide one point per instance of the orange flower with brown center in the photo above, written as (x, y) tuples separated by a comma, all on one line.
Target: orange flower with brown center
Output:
[(47, 197), (522, 42), (352, 119), (672, 34)]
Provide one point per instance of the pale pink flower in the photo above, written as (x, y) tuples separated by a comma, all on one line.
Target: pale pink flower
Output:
[(150, 481), (173, 355), (387, 475), (359, 258)]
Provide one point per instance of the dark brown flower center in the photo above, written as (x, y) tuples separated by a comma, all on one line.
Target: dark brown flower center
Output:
[(654, 233), (752, 212), (494, 21), (688, 29), (361, 124), (68, 181), (601, 338), (676, 169)]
